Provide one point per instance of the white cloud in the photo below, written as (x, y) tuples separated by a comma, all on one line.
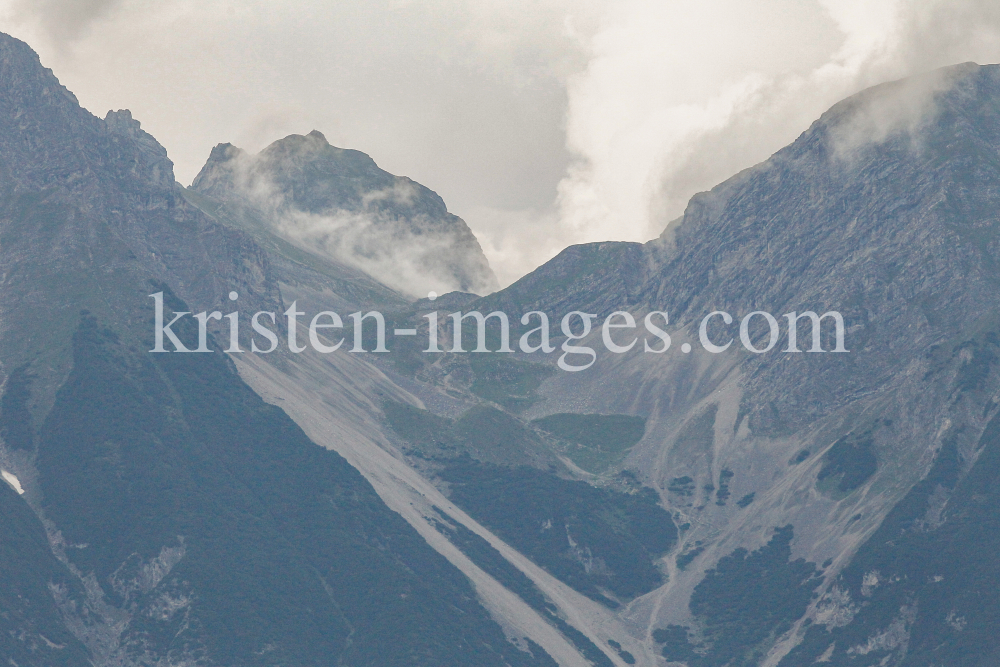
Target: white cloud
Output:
[(517, 241), (64, 20), (678, 96)]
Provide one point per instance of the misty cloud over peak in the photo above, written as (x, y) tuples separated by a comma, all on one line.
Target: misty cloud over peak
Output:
[(337, 202), (903, 107)]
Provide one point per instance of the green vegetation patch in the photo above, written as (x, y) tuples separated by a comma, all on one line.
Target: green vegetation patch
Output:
[(747, 600), (494, 436), (482, 432), (685, 559), (850, 462), (676, 643), (682, 486), (431, 436), (800, 457), (27, 608), (723, 493), (601, 542), (626, 657), (593, 539), (596, 441), (508, 382), (494, 564)]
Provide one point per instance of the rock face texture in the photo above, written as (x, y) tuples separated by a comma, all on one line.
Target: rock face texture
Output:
[(781, 509), (338, 203)]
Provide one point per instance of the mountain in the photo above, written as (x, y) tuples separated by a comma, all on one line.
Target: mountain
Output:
[(169, 514), (776, 509), (865, 523), (339, 204), (832, 508)]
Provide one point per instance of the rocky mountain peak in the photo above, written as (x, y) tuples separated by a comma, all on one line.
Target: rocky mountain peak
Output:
[(155, 163), (338, 203), (22, 74), (217, 173)]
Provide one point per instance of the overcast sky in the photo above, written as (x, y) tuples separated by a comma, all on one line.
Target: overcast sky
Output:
[(541, 123)]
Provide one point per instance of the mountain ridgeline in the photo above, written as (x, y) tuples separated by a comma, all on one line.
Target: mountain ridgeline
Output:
[(710, 510)]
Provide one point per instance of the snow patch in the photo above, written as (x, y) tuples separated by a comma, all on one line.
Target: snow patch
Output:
[(12, 480)]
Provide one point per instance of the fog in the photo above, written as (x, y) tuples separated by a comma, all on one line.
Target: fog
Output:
[(542, 124)]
